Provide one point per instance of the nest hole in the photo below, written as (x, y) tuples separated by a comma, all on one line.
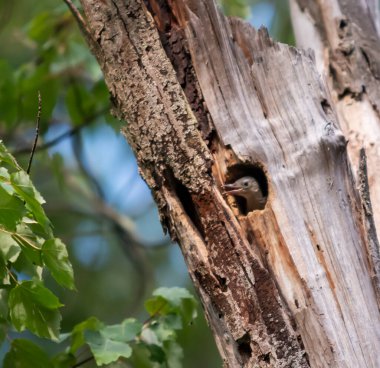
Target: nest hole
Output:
[(256, 171)]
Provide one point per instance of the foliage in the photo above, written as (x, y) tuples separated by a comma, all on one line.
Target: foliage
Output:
[(27, 247), (155, 339)]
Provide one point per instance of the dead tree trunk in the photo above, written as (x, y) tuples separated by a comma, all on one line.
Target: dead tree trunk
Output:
[(208, 100), (345, 37)]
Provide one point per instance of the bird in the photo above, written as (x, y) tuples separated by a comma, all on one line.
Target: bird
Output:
[(248, 188)]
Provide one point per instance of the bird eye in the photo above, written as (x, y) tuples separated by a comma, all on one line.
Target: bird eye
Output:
[(246, 183)]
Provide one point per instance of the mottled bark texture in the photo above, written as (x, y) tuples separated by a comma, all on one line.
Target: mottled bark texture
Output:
[(208, 99)]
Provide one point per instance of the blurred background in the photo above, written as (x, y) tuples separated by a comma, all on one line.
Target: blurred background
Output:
[(86, 171)]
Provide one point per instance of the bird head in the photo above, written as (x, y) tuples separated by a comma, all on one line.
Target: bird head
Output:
[(244, 187)]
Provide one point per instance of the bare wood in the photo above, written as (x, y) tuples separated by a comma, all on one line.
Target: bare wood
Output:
[(201, 94), (345, 37)]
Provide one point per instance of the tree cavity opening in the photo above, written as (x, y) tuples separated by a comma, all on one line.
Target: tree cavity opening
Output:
[(248, 184)]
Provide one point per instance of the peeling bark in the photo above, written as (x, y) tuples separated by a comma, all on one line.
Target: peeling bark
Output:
[(208, 99)]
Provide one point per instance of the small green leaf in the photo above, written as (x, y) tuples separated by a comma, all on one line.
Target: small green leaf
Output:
[(33, 199), (9, 247), (55, 257), (41, 27), (5, 178), (11, 210), (162, 330), (149, 337), (172, 300), (77, 336), (126, 331), (105, 349), (26, 354), (174, 354), (157, 353), (35, 307), (6, 157), (30, 248), (156, 306), (166, 326)]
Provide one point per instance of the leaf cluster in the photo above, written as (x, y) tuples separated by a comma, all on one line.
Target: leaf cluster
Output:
[(149, 344), (27, 245)]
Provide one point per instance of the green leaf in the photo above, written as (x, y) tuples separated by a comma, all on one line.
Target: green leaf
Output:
[(168, 351), (55, 257), (174, 354), (11, 210), (35, 307), (77, 335), (9, 248), (107, 343), (149, 337), (157, 353), (5, 178), (166, 326), (29, 245), (26, 354), (6, 157), (162, 330), (33, 199), (126, 331), (41, 27), (172, 300), (105, 349)]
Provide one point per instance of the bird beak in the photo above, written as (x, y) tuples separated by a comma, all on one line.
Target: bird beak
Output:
[(232, 189)]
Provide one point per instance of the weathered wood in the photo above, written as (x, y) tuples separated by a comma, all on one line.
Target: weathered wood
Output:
[(345, 37), (207, 100)]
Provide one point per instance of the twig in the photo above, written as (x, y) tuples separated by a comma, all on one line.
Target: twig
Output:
[(12, 275), (82, 23), (78, 16), (37, 132)]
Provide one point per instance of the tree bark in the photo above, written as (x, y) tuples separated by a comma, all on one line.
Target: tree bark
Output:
[(207, 100)]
